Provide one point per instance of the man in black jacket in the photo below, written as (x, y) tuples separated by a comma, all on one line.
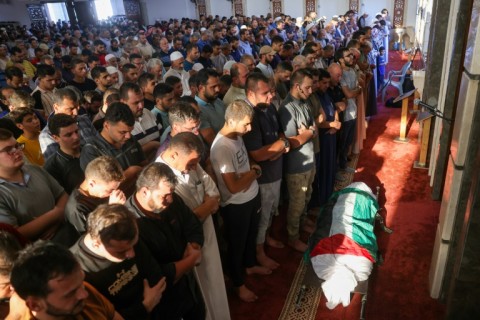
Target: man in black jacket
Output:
[(174, 236)]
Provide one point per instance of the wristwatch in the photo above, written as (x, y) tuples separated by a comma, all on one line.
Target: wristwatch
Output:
[(286, 143)]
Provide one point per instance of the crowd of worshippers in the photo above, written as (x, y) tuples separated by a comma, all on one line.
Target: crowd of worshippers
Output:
[(126, 159)]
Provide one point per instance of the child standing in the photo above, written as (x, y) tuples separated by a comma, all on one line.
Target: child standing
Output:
[(381, 63), (28, 122)]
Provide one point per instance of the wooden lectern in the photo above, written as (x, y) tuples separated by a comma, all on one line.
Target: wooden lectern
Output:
[(425, 119), (404, 119)]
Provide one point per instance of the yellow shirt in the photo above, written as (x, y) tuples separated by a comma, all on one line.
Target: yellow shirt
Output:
[(28, 68), (32, 150)]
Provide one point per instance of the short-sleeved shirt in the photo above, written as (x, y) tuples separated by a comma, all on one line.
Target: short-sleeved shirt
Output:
[(349, 79), (293, 114), (227, 156), (212, 114), (130, 154), (21, 203), (79, 207), (65, 169), (32, 150), (146, 128), (265, 131)]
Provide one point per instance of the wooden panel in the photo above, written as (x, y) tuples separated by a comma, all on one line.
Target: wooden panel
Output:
[(201, 7), (132, 10), (310, 5), (277, 7), (398, 13), (354, 5), (238, 7), (37, 15)]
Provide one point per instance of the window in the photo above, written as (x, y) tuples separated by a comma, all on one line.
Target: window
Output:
[(104, 9)]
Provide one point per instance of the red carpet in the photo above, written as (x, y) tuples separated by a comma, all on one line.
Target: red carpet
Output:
[(398, 289)]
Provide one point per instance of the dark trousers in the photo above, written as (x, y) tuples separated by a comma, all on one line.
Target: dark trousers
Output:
[(241, 227), (347, 133)]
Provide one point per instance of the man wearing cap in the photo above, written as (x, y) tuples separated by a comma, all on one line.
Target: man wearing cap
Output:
[(266, 57), (176, 70), (111, 60), (145, 48)]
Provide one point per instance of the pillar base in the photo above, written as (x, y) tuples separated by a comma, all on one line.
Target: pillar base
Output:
[(400, 140), (418, 165)]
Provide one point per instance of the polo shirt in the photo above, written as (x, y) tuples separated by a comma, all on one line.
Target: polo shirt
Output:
[(65, 169), (212, 115), (130, 154), (20, 203), (146, 128)]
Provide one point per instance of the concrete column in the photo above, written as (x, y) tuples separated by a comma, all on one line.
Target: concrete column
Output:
[(436, 52)]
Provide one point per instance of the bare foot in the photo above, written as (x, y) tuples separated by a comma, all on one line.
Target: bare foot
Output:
[(246, 294), (274, 243), (298, 245), (308, 226), (267, 262), (259, 270)]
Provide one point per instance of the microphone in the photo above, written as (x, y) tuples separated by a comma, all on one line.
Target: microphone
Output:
[(423, 104)]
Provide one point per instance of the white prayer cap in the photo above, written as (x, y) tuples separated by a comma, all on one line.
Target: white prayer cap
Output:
[(197, 66), (112, 70), (175, 56)]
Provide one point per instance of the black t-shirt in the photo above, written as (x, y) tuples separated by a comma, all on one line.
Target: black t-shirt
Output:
[(265, 131), (120, 282), (79, 206), (130, 154), (88, 85), (65, 169)]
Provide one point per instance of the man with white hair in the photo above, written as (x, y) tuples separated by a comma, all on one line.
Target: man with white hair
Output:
[(176, 70)]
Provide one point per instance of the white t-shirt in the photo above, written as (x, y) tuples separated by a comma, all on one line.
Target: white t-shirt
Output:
[(227, 156)]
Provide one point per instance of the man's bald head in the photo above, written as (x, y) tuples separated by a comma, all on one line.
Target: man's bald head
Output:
[(335, 73)]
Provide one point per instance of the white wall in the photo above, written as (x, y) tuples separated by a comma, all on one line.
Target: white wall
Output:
[(117, 7), (166, 9), (15, 11), (256, 7), (223, 8), (331, 8), (294, 8)]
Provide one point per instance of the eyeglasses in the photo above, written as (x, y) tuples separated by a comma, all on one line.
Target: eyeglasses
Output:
[(12, 149)]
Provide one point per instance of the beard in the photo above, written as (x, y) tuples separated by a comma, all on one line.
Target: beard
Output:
[(53, 311), (210, 97), (156, 209)]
